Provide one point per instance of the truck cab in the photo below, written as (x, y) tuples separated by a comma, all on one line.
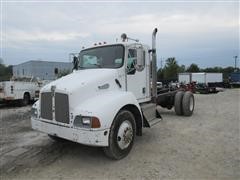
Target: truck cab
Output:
[(105, 101)]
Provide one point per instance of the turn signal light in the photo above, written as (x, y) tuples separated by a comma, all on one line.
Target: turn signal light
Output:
[(95, 123)]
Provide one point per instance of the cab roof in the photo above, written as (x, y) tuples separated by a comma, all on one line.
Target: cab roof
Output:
[(125, 44)]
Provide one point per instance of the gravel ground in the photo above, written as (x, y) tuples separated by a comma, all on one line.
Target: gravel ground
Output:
[(203, 146)]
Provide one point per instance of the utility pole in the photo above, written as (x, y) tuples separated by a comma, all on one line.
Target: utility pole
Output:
[(235, 57)]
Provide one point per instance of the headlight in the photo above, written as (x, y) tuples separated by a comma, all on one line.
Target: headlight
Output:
[(34, 113), (86, 122)]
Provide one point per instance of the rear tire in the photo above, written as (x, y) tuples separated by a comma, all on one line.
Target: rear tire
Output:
[(121, 137), (26, 99), (188, 103), (178, 102)]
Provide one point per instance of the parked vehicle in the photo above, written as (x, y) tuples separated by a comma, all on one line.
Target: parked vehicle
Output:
[(201, 82), (108, 99), (159, 85), (201, 77), (188, 87), (184, 78), (22, 90), (235, 79), (205, 89)]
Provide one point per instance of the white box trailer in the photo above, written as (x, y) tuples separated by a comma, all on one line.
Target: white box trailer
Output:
[(206, 78), (184, 78), (198, 77), (201, 77), (214, 77)]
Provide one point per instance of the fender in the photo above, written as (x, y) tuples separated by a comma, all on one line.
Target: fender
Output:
[(105, 106)]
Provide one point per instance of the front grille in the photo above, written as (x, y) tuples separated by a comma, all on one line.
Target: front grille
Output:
[(61, 108), (46, 105)]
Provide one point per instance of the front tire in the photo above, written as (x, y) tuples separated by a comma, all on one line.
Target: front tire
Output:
[(121, 137), (26, 99)]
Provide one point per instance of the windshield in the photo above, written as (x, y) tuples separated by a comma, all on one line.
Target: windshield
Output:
[(102, 57)]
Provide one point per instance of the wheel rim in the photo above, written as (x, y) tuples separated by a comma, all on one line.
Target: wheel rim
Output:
[(125, 134), (191, 104)]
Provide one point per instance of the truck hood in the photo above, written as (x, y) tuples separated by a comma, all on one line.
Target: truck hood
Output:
[(85, 84), (92, 78)]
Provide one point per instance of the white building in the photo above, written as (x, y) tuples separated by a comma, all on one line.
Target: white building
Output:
[(45, 70)]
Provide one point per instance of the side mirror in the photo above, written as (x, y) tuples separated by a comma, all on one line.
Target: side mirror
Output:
[(56, 71), (75, 63), (140, 60)]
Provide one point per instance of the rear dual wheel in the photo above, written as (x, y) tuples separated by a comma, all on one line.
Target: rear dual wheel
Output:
[(26, 99), (178, 102), (184, 103), (188, 103)]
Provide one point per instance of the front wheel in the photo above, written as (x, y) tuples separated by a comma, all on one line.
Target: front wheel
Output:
[(122, 134)]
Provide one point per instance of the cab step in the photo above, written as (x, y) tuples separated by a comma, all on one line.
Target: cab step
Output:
[(154, 121), (150, 114)]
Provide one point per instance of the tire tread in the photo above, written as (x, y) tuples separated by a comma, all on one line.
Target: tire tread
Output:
[(178, 103)]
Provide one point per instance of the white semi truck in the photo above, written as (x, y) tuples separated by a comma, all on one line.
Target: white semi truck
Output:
[(109, 98)]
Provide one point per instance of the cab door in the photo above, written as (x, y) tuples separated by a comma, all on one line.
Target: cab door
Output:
[(136, 80)]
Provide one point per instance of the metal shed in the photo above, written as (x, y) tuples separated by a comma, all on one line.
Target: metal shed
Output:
[(45, 70)]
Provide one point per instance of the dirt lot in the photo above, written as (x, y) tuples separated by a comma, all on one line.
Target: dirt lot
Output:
[(204, 146)]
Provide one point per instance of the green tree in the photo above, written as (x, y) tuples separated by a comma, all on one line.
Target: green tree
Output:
[(181, 69), (171, 68), (213, 69), (1, 60), (193, 68), (5, 71), (160, 74)]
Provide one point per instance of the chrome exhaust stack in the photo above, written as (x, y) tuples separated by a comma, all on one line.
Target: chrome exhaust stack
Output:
[(154, 66)]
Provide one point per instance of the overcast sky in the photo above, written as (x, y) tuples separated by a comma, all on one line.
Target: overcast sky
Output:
[(205, 33)]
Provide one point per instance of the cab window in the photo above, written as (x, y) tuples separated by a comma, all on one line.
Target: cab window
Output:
[(131, 61)]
